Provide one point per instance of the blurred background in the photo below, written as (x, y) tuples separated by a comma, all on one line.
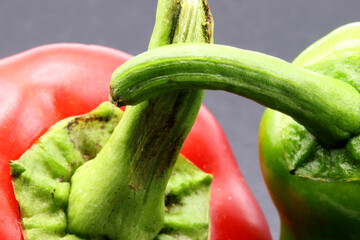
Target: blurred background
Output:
[(281, 28)]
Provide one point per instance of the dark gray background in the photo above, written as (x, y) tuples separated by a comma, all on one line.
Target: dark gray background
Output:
[(282, 28)]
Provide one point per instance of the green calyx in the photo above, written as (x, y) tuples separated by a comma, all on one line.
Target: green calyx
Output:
[(42, 180), (336, 55)]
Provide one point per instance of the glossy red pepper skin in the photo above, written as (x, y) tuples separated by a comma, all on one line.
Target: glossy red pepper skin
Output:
[(44, 85)]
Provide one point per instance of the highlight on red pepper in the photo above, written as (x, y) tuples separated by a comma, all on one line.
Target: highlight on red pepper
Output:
[(87, 170), (309, 136)]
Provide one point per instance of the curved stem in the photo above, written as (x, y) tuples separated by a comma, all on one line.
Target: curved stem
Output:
[(328, 108)]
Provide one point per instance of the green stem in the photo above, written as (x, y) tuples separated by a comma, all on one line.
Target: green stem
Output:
[(120, 194), (328, 108)]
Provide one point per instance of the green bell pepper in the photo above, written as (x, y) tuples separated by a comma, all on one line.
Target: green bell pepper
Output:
[(314, 186), (310, 153)]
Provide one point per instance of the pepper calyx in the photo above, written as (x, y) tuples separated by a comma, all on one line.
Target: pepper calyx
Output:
[(43, 176)]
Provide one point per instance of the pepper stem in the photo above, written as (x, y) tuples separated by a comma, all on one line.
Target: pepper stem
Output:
[(327, 107), (120, 194)]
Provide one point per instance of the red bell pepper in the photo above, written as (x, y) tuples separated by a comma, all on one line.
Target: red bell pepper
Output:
[(42, 86)]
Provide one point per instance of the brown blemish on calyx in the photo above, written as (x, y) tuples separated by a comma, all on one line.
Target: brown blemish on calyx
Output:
[(80, 127), (133, 187)]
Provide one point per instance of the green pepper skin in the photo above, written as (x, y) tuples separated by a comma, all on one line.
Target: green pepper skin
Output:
[(311, 208)]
